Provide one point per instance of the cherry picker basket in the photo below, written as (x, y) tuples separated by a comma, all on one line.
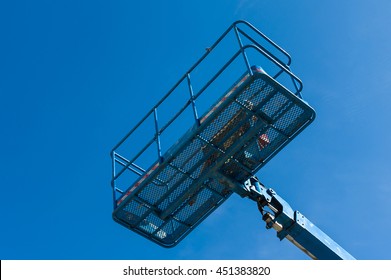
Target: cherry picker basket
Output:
[(251, 121)]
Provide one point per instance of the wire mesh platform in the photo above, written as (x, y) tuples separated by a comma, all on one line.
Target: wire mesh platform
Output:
[(233, 139)]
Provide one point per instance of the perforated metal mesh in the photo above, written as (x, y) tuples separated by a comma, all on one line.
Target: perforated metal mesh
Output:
[(239, 134)]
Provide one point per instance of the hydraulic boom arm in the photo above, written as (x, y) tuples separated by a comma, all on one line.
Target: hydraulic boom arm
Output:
[(293, 225)]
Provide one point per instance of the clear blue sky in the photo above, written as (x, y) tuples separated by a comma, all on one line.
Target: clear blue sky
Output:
[(75, 76)]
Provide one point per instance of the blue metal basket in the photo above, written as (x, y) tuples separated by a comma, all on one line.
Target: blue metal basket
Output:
[(246, 127)]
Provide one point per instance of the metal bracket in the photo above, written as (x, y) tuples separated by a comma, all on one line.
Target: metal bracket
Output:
[(293, 225)]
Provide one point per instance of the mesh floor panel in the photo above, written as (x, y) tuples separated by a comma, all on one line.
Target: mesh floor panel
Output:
[(251, 123)]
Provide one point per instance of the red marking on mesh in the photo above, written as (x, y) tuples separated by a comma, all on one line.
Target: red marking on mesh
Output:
[(137, 184), (224, 98)]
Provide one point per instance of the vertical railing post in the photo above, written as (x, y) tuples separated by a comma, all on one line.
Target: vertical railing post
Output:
[(157, 135), (113, 180), (192, 100), (243, 52)]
